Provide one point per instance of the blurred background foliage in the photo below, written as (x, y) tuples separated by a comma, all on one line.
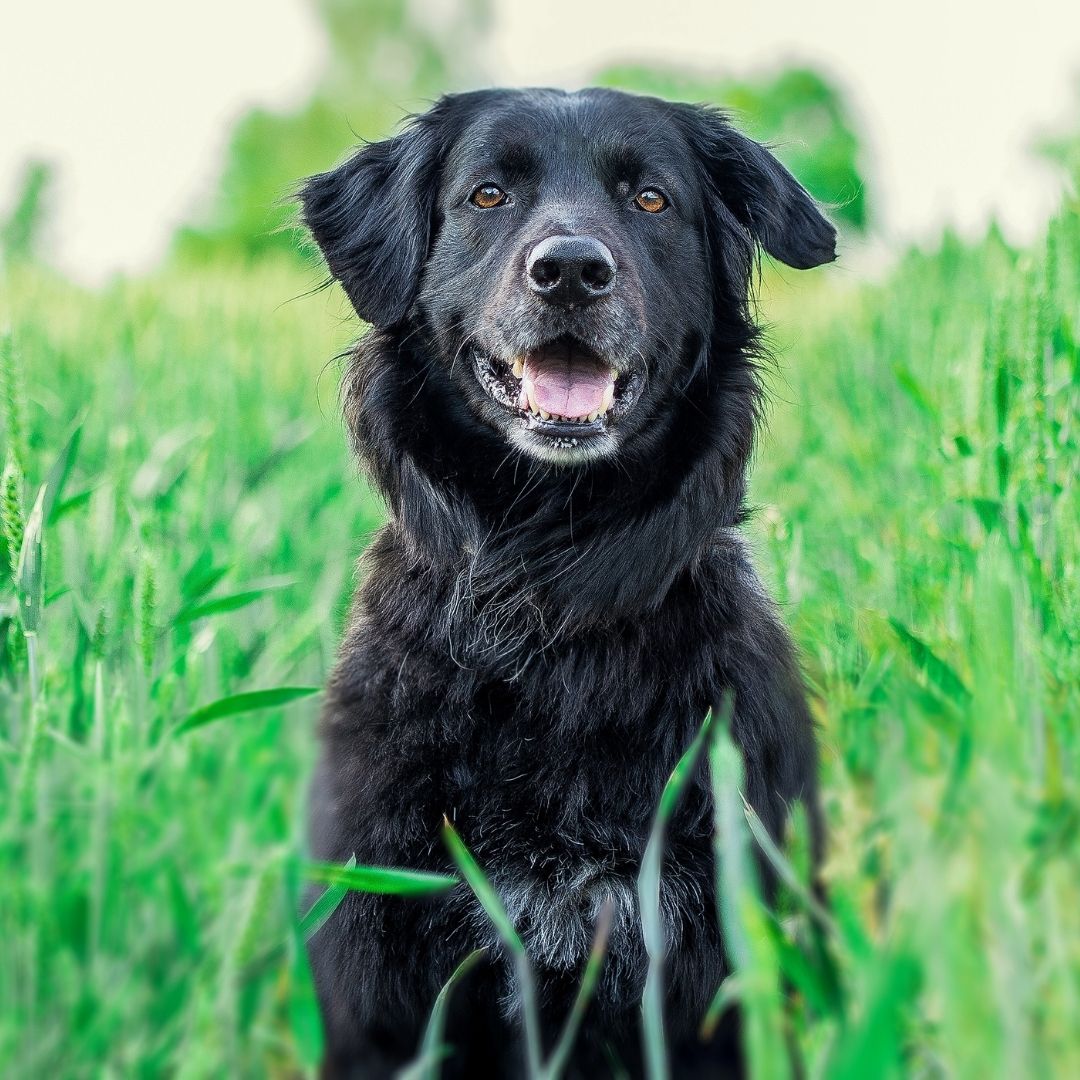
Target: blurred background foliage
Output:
[(21, 231), (388, 58)]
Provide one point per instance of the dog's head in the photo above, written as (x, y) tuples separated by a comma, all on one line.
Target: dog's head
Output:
[(571, 258)]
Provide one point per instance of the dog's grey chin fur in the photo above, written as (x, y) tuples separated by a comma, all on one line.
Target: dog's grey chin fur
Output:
[(546, 449)]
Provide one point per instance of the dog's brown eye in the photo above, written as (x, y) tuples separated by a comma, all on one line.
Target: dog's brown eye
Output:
[(487, 196), (650, 200)]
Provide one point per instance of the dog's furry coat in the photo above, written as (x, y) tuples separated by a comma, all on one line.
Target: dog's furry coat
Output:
[(532, 647)]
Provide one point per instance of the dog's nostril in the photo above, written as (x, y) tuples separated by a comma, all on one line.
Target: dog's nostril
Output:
[(597, 275), (545, 272)]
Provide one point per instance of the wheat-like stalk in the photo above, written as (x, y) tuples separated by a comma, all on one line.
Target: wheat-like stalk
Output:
[(12, 516)]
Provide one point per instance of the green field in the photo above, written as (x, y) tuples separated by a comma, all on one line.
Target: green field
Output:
[(918, 518)]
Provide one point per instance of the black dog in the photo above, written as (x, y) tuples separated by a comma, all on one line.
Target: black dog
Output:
[(557, 399)]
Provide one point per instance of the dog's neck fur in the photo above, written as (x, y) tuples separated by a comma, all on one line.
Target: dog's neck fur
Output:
[(584, 544)]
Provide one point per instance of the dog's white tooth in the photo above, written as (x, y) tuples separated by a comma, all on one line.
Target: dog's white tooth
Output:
[(519, 368), (609, 395), (545, 415), (614, 373)]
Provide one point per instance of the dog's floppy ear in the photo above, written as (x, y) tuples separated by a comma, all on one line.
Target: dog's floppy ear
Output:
[(760, 193), (372, 219)]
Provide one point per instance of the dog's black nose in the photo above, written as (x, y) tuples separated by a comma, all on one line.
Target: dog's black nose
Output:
[(571, 269)]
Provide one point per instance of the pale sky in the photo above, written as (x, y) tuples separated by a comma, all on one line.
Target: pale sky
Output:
[(133, 100)]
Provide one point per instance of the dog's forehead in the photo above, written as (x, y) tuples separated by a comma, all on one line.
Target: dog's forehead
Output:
[(542, 130)]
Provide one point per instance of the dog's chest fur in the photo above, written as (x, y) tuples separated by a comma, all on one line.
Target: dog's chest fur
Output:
[(547, 748)]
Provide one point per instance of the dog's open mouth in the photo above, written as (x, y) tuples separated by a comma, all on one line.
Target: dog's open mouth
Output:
[(561, 389)]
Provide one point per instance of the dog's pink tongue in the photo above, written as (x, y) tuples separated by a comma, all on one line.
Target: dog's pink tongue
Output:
[(566, 388)]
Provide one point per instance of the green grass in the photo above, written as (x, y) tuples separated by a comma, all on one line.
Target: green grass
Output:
[(919, 522)]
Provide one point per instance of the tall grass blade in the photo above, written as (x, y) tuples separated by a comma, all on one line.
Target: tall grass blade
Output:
[(556, 1063), (485, 892), (30, 574), (785, 871), (217, 605), (201, 576), (30, 759), (305, 1021), (252, 926), (726, 996), (432, 1048), (377, 879), (652, 929), (743, 918), (940, 674), (875, 1044), (235, 704), (325, 904), (71, 504), (59, 473), (735, 872)]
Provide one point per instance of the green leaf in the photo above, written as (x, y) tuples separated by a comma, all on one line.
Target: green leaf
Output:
[(325, 905), (736, 873), (743, 919), (251, 701), (874, 1046), (725, 997), (29, 578), (988, 511), (916, 393), (305, 1020), (57, 594), (814, 980), (376, 879), (201, 576), (62, 509), (432, 1048), (482, 888), (674, 788), (963, 446), (938, 672), (762, 1022), (59, 473), (784, 870), (229, 602), (187, 929)]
